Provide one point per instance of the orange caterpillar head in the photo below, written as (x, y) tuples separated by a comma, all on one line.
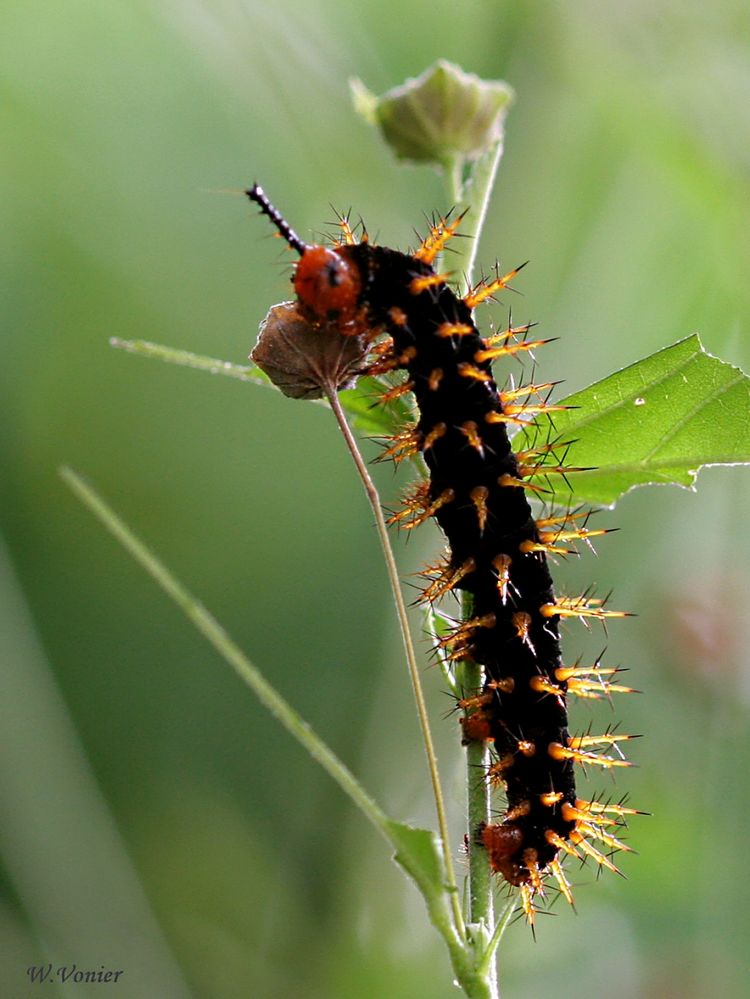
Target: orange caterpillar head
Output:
[(327, 281), (328, 284)]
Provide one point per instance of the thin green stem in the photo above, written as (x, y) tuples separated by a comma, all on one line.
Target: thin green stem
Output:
[(210, 628), (478, 797), (480, 878), (431, 627), (186, 358), (454, 174), (411, 659), (481, 904), (200, 362), (442, 915), (486, 966), (477, 192)]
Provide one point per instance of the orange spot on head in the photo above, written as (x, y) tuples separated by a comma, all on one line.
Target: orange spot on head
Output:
[(328, 283)]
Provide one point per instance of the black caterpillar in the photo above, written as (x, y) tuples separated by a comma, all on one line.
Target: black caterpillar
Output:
[(478, 491)]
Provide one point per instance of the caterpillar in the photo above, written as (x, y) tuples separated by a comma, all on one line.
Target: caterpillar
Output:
[(480, 492)]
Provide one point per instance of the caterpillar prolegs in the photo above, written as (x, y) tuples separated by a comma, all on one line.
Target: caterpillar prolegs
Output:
[(480, 493)]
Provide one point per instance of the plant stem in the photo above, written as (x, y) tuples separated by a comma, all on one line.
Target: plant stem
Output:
[(442, 915), (481, 907), (487, 966), (411, 659), (480, 185), (446, 668), (454, 172), (210, 628), (186, 358), (477, 795)]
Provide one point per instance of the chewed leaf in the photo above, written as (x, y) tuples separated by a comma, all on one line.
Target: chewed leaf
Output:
[(657, 421), (306, 360)]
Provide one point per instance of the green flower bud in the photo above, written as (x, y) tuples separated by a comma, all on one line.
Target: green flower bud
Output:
[(442, 117)]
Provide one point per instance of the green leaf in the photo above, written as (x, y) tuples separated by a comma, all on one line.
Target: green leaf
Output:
[(361, 403), (419, 852), (657, 421)]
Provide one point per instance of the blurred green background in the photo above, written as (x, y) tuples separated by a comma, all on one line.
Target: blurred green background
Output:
[(155, 819)]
